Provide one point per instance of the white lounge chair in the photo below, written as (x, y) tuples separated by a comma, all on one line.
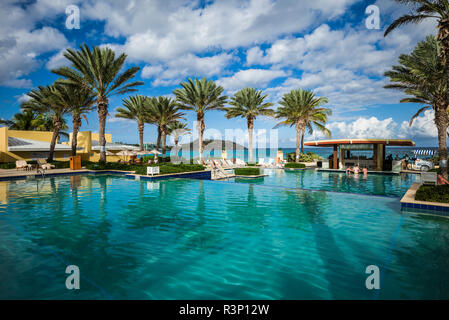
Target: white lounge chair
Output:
[(261, 162), (224, 164), (42, 163), (230, 164), (240, 162), (23, 165)]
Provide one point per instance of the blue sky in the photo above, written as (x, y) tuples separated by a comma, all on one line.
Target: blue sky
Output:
[(275, 46)]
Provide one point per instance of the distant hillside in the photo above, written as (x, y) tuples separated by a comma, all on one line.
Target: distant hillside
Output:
[(215, 144)]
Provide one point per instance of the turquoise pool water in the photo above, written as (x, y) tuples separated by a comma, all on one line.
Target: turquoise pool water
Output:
[(374, 184), (191, 239)]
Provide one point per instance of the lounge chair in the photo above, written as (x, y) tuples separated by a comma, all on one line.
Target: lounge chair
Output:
[(225, 164), (240, 163), (23, 165), (210, 165), (230, 163), (43, 164), (261, 162)]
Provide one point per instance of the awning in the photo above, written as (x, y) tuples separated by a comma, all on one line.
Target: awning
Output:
[(387, 142), (19, 144)]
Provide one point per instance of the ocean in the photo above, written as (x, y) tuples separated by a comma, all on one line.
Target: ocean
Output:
[(323, 152)]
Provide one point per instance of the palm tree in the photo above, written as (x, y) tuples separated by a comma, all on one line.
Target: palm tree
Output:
[(439, 10), (164, 111), (136, 109), (249, 103), (421, 75), (45, 100), (26, 120), (302, 109), (80, 102), (99, 71), (177, 129), (200, 96)]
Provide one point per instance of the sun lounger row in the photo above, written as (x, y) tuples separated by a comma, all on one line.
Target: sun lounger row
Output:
[(41, 163), (270, 163), (222, 163)]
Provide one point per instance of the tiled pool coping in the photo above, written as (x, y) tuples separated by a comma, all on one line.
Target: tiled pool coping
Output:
[(408, 203)]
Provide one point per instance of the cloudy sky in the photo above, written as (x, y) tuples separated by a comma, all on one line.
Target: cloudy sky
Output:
[(275, 46)]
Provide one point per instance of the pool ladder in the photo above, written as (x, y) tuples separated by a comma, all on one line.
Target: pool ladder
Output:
[(41, 171)]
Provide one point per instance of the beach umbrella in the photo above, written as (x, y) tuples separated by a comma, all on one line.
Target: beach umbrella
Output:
[(125, 153), (154, 151)]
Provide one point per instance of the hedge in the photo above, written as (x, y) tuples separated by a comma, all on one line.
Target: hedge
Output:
[(7, 165), (303, 157), (166, 168), (294, 165), (247, 171), (433, 193)]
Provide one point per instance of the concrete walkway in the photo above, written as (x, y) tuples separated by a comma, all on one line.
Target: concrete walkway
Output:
[(23, 173)]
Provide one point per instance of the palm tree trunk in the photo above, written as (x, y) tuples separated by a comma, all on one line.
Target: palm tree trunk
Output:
[(298, 142), (102, 110), (441, 116), (56, 127), (200, 126), (164, 140), (76, 120), (250, 138), (140, 127), (158, 141), (302, 140), (442, 123)]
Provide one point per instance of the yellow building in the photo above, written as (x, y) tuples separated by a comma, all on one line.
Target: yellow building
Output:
[(32, 145)]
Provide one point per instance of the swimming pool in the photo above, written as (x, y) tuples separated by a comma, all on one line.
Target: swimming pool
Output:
[(395, 185), (192, 239)]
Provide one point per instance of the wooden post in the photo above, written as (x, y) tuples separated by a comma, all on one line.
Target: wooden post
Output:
[(335, 165), (375, 155)]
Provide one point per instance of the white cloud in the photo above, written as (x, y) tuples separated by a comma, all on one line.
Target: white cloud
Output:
[(258, 78), (423, 126), (364, 128), (163, 30), (22, 43), (373, 127), (57, 60), (177, 69), (23, 98)]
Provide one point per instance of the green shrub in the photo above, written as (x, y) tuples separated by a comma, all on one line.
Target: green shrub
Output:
[(167, 168), (249, 164), (303, 157), (247, 171), (433, 193), (294, 165), (7, 165)]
